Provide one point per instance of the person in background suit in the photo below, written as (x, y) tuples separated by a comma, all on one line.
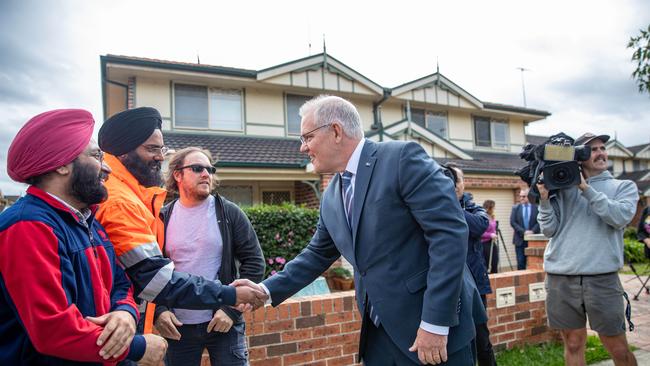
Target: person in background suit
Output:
[(477, 222), (393, 214), (523, 220)]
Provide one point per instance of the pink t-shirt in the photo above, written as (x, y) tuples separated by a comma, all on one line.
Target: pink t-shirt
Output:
[(195, 245)]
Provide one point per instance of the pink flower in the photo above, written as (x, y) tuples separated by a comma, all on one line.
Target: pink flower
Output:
[(270, 261), (273, 272), (277, 236), (280, 260)]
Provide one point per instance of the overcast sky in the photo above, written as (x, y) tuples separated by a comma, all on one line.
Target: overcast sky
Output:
[(575, 50)]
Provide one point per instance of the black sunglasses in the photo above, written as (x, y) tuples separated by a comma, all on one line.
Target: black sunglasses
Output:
[(198, 168)]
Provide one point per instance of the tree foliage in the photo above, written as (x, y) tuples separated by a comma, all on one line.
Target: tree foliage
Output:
[(641, 56)]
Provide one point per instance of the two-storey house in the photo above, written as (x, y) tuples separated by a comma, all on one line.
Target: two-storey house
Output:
[(249, 120)]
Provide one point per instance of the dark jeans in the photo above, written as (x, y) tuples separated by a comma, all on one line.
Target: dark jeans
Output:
[(494, 267), (224, 348), (521, 256)]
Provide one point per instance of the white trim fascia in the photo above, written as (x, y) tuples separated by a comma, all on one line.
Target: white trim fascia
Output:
[(620, 146), (318, 61), (443, 80), (431, 137)]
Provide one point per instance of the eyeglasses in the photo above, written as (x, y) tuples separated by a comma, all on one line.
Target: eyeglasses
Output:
[(157, 150), (198, 168), (305, 138)]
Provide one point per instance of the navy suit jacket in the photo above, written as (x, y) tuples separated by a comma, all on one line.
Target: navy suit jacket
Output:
[(407, 245), (517, 223)]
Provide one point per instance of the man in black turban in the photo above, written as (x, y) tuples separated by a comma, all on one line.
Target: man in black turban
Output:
[(134, 148)]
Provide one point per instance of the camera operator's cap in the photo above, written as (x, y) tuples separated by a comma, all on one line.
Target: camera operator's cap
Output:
[(588, 137)]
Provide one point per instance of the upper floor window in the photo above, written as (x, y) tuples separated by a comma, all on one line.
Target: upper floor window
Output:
[(431, 120), (639, 165), (490, 132), (198, 106), (294, 102)]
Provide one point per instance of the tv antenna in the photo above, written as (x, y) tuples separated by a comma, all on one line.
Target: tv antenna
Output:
[(523, 86)]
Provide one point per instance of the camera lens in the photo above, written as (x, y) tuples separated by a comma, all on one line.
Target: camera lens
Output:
[(561, 176)]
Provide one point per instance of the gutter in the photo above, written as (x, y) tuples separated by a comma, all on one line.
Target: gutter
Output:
[(376, 106)]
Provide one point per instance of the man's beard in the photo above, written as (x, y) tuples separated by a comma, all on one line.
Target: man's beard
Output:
[(195, 194), (86, 185), (148, 174)]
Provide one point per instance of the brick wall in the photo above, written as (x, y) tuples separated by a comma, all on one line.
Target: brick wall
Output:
[(306, 195), (496, 181), (130, 96), (524, 322), (324, 330), (315, 330)]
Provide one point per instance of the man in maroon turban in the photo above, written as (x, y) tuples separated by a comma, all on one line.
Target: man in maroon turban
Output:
[(66, 297)]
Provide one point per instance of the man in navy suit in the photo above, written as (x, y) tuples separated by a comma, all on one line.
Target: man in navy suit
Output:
[(393, 214), (523, 219)]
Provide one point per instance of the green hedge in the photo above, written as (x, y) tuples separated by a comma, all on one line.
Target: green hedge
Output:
[(634, 251), (283, 231)]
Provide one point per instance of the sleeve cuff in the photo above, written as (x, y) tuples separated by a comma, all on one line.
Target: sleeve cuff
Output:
[(589, 193), (268, 293), (228, 295), (129, 309), (435, 329), (138, 346)]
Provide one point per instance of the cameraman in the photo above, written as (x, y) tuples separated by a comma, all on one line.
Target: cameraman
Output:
[(586, 224)]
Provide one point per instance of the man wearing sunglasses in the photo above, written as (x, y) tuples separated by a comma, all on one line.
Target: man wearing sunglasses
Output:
[(134, 148), (204, 235)]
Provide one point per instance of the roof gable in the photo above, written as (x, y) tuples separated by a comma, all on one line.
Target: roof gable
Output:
[(414, 130), (437, 89), (320, 71), (615, 148)]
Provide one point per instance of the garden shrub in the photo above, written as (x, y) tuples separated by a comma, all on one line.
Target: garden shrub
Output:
[(634, 251), (283, 231)]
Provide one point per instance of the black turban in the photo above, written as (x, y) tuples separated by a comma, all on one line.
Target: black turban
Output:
[(127, 130)]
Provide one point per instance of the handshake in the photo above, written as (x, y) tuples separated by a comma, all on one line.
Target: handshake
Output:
[(250, 295)]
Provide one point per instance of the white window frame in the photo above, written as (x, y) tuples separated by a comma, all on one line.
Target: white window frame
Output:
[(211, 123), (434, 112), (492, 123), (286, 112)]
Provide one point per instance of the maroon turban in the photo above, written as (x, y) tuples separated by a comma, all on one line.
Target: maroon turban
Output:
[(48, 141)]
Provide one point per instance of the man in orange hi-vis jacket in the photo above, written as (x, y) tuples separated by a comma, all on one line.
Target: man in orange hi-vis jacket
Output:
[(134, 145)]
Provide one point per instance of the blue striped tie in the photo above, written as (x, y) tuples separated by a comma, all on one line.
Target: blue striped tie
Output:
[(348, 195)]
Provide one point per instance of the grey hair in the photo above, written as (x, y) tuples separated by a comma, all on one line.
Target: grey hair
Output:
[(329, 108)]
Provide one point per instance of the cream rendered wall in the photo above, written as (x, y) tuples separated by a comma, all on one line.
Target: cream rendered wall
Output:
[(365, 112), (628, 165), (618, 165), (154, 93), (266, 131), (265, 106), (116, 99), (517, 134), (391, 113), (460, 129)]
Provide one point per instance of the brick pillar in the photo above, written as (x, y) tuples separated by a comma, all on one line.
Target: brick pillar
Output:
[(535, 251), (130, 101)]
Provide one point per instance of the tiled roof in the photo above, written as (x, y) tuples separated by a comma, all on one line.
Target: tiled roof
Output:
[(186, 66), (536, 139), (634, 176), (486, 162), (247, 151), (243, 150), (636, 148), (514, 108)]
